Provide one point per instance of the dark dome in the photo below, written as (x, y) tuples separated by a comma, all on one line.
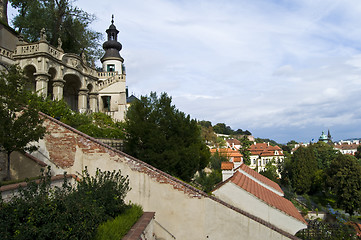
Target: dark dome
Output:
[(112, 44)]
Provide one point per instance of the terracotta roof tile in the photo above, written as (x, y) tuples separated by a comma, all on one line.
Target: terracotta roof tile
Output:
[(261, 178), (227, 165), (267, 196), (227, 152)]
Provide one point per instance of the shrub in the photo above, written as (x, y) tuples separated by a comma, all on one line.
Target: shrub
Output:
[(117, 228), (42, 212)]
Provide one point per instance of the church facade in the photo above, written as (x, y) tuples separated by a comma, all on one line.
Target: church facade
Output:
[(58, 75)]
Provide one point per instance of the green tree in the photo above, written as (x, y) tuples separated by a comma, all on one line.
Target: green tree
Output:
[(20, 122), (61, 20), (304, 166), (222, 128), (165, 137), (324, 154), (208, 181), (270, 171), (244, 149), (343, 178), (358, 152)]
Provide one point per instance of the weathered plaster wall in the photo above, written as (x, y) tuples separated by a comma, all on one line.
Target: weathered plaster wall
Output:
[(181, 210), (23, 166), (238, 197)]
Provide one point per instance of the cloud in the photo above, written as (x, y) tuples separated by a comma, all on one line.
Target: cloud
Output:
[(282, 69)]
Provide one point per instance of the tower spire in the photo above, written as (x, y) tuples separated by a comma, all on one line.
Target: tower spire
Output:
[(112, 61)]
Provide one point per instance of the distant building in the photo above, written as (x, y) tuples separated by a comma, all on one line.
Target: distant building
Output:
[(347, 147), (263, 153), (232, 143), (325, 138)]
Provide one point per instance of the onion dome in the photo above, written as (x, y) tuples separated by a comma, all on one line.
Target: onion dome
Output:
[(112, 46)]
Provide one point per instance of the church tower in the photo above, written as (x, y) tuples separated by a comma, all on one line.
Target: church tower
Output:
[(112, 61), (112, 82)]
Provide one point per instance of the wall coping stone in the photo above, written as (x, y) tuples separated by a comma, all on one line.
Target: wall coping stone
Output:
[(138, 228)]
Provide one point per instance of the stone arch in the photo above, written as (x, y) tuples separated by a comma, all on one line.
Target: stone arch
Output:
[(29, 71), (72, 86)]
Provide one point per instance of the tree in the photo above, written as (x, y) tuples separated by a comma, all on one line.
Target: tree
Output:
[(270, 171), (221, 128), (20, 122), (244, 149), (358, 152), (324, 154), (165, 137), (304, 166), (343, 178), (61, 20)]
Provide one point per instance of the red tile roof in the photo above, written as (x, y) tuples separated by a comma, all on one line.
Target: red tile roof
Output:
[(234, 141), (229, 153), (227, 165), (261, 178), (267, 196), (264, 149), (346, 146)]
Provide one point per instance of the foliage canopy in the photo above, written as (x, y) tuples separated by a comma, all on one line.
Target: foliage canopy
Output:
[(165, 137), (61, 20)]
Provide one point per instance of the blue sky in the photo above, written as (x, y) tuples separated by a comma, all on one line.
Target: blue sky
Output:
[(284, 70)]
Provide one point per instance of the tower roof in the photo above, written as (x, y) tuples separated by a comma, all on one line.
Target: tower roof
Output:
[(112, 46)]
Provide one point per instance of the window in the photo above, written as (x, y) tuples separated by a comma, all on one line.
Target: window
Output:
[(111, 68), (106, 103)]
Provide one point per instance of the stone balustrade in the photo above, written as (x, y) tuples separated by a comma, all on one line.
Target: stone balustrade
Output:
[(107, 74), (107, 82), (6, 53)]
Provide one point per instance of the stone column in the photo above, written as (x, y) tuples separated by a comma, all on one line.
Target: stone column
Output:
[(58, 89), (93, 102), (42, 80), (82, 100)]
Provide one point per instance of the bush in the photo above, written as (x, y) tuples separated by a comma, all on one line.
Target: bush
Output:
[(42, 212), (117, 228)]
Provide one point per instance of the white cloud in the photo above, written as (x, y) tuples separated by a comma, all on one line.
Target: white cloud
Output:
[(282, 69)]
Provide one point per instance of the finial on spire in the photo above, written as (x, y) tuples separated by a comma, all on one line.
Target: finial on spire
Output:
[(112, 18)]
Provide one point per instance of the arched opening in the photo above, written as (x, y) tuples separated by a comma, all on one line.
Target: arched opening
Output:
[(52, 73), (29, 71), (71, 90)]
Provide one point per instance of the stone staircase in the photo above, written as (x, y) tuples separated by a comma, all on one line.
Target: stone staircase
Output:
[(113, 77)]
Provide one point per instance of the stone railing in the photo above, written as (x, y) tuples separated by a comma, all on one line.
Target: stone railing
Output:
[(107, 82), (39, 47), (54, 52), (27, 49), (107, 74), (6, 53)]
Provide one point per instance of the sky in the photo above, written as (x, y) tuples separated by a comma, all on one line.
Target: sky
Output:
[(282, 69)]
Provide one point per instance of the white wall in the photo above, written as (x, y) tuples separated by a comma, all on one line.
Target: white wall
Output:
[(235, 195)]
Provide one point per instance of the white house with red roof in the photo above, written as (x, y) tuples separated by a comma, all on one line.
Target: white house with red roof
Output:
[(347, 147), (263, 153), (261, 197)]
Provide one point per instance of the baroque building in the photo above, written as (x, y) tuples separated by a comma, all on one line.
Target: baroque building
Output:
[(59, 75)]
